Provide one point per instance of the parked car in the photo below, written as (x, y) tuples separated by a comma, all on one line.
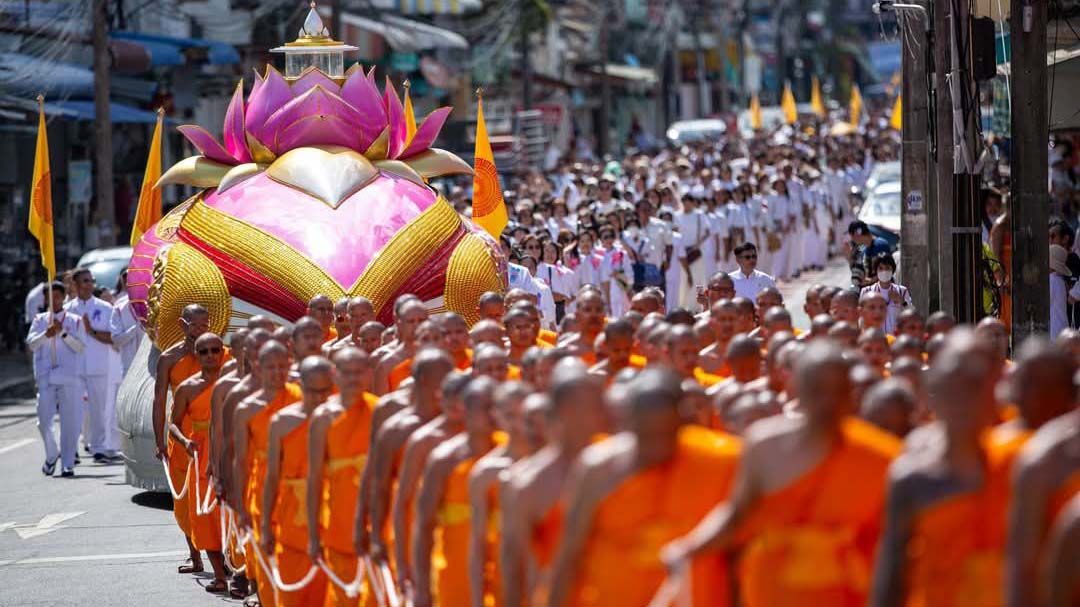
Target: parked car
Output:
[(883, 172), (881, 211), (689, 131), (106, 264)]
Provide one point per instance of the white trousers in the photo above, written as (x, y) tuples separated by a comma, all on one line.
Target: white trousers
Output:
[(101, 432), (67, 401)]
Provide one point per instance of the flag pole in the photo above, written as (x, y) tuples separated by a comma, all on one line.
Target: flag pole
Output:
[(48, 279)]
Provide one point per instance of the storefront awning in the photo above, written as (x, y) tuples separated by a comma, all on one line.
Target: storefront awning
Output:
[(405, 35), (118, 112), (429, 7), (166, 50), (639, 75)]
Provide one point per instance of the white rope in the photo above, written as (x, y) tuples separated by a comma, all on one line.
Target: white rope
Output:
[(675, 591), (168, 479), (205, 506), (269, 566), (387, 581), (227, 534), (352, 589), (376, 582)]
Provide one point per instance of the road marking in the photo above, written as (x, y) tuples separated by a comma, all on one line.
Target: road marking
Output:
[(15, 445), (93, 557), (47, 524)]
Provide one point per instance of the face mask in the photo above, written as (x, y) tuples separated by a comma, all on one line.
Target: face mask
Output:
[(884, 275)]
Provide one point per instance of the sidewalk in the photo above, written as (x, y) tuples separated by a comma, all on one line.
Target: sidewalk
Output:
[(16, 376)]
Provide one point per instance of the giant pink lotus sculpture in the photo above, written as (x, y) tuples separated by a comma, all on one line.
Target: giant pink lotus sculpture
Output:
[(318, 186)]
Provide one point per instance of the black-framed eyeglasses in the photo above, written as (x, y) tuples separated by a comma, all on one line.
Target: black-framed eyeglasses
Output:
[(205, 351)]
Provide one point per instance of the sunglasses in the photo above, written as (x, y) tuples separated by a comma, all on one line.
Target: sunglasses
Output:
[(532, 247), (205, 351), (747, 256)]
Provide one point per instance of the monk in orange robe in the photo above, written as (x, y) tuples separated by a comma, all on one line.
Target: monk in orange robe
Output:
[(619, 342), (636, 492), (430, 333), (442, 526), (531, 498), (285, 517), (512, 444), (338, 436), (681, 355), (189, 429), (176, 364), (944, 536), (1047, 471), (722, 316), (521, 332), (1060, 572), (492, 361), (591, 320), (806, 537), (449, 423), (409, 312), (251, 438), (456, 339), (321, 308), (371, 528)]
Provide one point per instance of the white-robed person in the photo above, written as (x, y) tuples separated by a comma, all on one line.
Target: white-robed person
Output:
[(555, 275), (716, 250), (798, 220), (617, 273), (694, 227), (126, 330), (99, 358), (57, 340), (585, 263), (673, 277), (780, 216)]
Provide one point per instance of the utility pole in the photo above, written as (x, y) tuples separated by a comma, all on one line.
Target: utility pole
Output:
[(943, 161), (916, 199), (1028, 171), (526, 66), (103, 155), (966, 233), (605, 84), (335, 18)]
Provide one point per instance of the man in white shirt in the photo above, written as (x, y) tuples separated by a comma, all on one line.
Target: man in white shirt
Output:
[(57, 341), (126, 330), (694, 227), (748, 280), (102, 437)]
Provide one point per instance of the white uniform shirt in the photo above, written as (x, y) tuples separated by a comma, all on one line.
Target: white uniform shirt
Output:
[(660, 238), (779, 212), (126, 330), (693, 226), (893, 310), (555, 276), (96, 359), (56, 359), (617, 265), (750, 286)]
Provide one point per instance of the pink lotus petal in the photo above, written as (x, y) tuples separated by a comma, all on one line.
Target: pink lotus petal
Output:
[(235, 143), (312, 78), (256, 84), (314, 106), (361, 92), (396, 118), (270, 97), (427, 132), (317, 129), (206, 144)]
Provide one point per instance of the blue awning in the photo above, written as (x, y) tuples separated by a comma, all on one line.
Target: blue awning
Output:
[(84, 110), (217, 53)]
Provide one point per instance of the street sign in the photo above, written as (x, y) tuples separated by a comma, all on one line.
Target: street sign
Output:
[(915, 201)]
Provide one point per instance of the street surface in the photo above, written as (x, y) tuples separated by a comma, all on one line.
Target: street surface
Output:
[(94, 540)]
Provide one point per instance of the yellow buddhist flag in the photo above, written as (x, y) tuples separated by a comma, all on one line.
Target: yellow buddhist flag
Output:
[(149, 210), (815, 98), (410, 116), (787, 103), (489, 210), (755, 112), (896, 120), (41, 217), (856, 106)]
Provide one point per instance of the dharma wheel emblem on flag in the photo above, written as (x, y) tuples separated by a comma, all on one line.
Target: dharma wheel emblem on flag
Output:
[(486, 194)]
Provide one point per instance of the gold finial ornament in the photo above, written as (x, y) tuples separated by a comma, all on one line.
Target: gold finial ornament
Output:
[(314, 48)]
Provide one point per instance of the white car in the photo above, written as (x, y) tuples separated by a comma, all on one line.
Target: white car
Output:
[(771, 118), (106, 264), (883, 172), (690, 131), (882, 207)]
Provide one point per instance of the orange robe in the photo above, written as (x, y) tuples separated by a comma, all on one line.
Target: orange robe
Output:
[(548, 336), (706, 379), (291, 525), (205, 528), (346, 453), (258, 443), (450, 556), (463, 359), (330, 335), (400, 373), (812, 542), (957, 546), (178, 457), (621, 563)]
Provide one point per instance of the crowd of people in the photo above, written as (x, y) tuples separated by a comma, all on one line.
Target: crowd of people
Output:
[(635, 421)]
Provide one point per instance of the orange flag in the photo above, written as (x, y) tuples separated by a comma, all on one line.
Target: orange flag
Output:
[(755, 112), (856, 106), (149, 210), (896, 120), (815, 98), (489, 210), (41, 217), (787, 103)]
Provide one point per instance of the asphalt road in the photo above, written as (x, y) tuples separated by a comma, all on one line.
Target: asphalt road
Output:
[(94, 540)]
